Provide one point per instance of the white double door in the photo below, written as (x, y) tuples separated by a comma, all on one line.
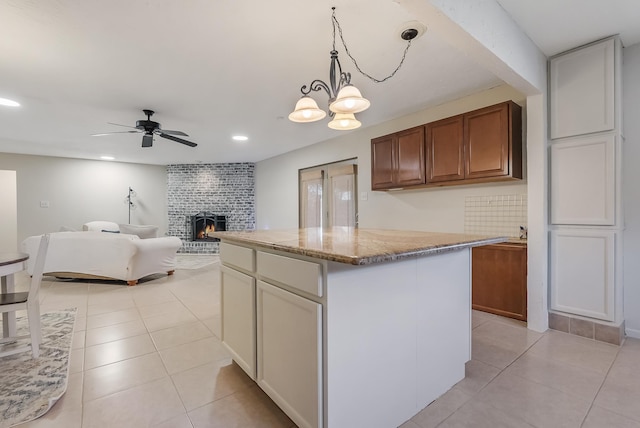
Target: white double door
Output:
[(328, 196)]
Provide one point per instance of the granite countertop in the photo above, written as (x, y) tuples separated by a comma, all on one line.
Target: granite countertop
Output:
[(357, 246)]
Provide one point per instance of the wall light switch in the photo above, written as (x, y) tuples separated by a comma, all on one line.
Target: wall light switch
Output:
[(364, 196), (44, 204)]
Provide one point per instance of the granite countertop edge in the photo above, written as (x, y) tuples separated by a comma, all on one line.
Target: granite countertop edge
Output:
[(363, 260)]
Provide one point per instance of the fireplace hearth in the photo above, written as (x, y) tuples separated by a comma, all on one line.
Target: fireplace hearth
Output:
[(205, 223)]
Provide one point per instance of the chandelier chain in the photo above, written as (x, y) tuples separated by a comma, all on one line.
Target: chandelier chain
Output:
[(346, 49)]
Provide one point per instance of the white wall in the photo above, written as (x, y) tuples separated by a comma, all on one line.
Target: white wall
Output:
[(8, 211), (630, 180), (434, 209), (79, 191)]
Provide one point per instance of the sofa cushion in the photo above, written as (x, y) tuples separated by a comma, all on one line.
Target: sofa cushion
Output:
[(100, 226), (142, 231)]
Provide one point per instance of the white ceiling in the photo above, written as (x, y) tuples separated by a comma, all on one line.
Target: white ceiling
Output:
[(218, 68)]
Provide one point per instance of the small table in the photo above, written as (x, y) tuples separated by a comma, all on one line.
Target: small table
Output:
[(10, 263)]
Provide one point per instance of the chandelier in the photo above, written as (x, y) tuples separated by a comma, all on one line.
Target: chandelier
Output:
[(344, 99)]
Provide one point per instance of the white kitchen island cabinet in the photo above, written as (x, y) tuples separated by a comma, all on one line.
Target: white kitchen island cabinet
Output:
[(353, 327)]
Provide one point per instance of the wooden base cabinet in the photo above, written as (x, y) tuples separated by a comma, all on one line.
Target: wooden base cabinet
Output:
[(499, 280)]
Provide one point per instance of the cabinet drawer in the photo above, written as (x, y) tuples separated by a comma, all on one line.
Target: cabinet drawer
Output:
[(298, 274), (240, 257)]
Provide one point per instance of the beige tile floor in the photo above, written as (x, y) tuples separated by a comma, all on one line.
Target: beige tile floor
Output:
[(150, 356)]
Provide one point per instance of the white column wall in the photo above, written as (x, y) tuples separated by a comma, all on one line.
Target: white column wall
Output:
[(8, 212), (630, 178)]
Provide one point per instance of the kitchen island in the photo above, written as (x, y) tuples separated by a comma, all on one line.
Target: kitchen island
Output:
[(348, 327)]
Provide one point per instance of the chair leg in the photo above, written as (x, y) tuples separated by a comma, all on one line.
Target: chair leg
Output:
[(33, 313)]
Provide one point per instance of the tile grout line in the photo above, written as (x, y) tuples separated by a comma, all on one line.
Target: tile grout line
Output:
[(600, 387)]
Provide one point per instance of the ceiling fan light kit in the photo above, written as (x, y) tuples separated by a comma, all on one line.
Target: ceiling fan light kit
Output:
[(344, 99)]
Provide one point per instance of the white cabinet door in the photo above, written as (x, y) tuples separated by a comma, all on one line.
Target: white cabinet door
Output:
[(290, 353), (238, 298), (583, 272), (582, 90), (583, 181)]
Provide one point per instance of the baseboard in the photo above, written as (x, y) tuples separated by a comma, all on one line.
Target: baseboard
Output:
[(632, 332), (591, 329)]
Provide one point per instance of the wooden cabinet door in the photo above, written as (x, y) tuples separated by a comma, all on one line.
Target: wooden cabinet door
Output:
[(445, 150), (290, 353), (410, 169), (382, 163), (238, 302), (499, 280), (486, 141)]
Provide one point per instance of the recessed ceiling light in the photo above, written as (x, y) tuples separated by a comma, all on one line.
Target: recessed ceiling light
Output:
[(107, 157), (240, 137), (9, 103)]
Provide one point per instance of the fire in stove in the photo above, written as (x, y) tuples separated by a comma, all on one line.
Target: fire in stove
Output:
[(204, 234), (205, 223)]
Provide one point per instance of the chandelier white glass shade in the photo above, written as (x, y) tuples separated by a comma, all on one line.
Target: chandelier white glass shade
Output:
[(349, 100), (306, 111), (344, 122), (344, 98)]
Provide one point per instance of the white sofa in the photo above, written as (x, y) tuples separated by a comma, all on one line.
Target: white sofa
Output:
[(104, 255)]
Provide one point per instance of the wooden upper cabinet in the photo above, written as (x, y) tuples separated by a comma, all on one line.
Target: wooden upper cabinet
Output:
[(411, 157), (382, 161), (479, 146), (445, 150), (493, 141), (398, 160)]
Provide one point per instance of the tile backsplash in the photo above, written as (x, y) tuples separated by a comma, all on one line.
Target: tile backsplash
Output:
[(495, 215)]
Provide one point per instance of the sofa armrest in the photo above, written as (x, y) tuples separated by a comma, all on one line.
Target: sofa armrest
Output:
[(92, 253), (153, 255)]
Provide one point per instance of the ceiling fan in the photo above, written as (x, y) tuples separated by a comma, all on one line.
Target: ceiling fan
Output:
[(150, 128)]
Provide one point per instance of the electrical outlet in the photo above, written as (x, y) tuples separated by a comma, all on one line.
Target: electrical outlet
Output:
[(44, 204)]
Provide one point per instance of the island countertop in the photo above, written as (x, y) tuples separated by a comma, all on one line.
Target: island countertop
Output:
[(357, 246)]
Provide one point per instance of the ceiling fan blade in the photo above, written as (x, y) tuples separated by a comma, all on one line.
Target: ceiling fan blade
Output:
[(166, 131), (176, 139), (126, 126), (147, 140), (117, 132)]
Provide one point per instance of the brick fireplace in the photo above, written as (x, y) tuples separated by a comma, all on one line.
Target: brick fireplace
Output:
[(221, 191)]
